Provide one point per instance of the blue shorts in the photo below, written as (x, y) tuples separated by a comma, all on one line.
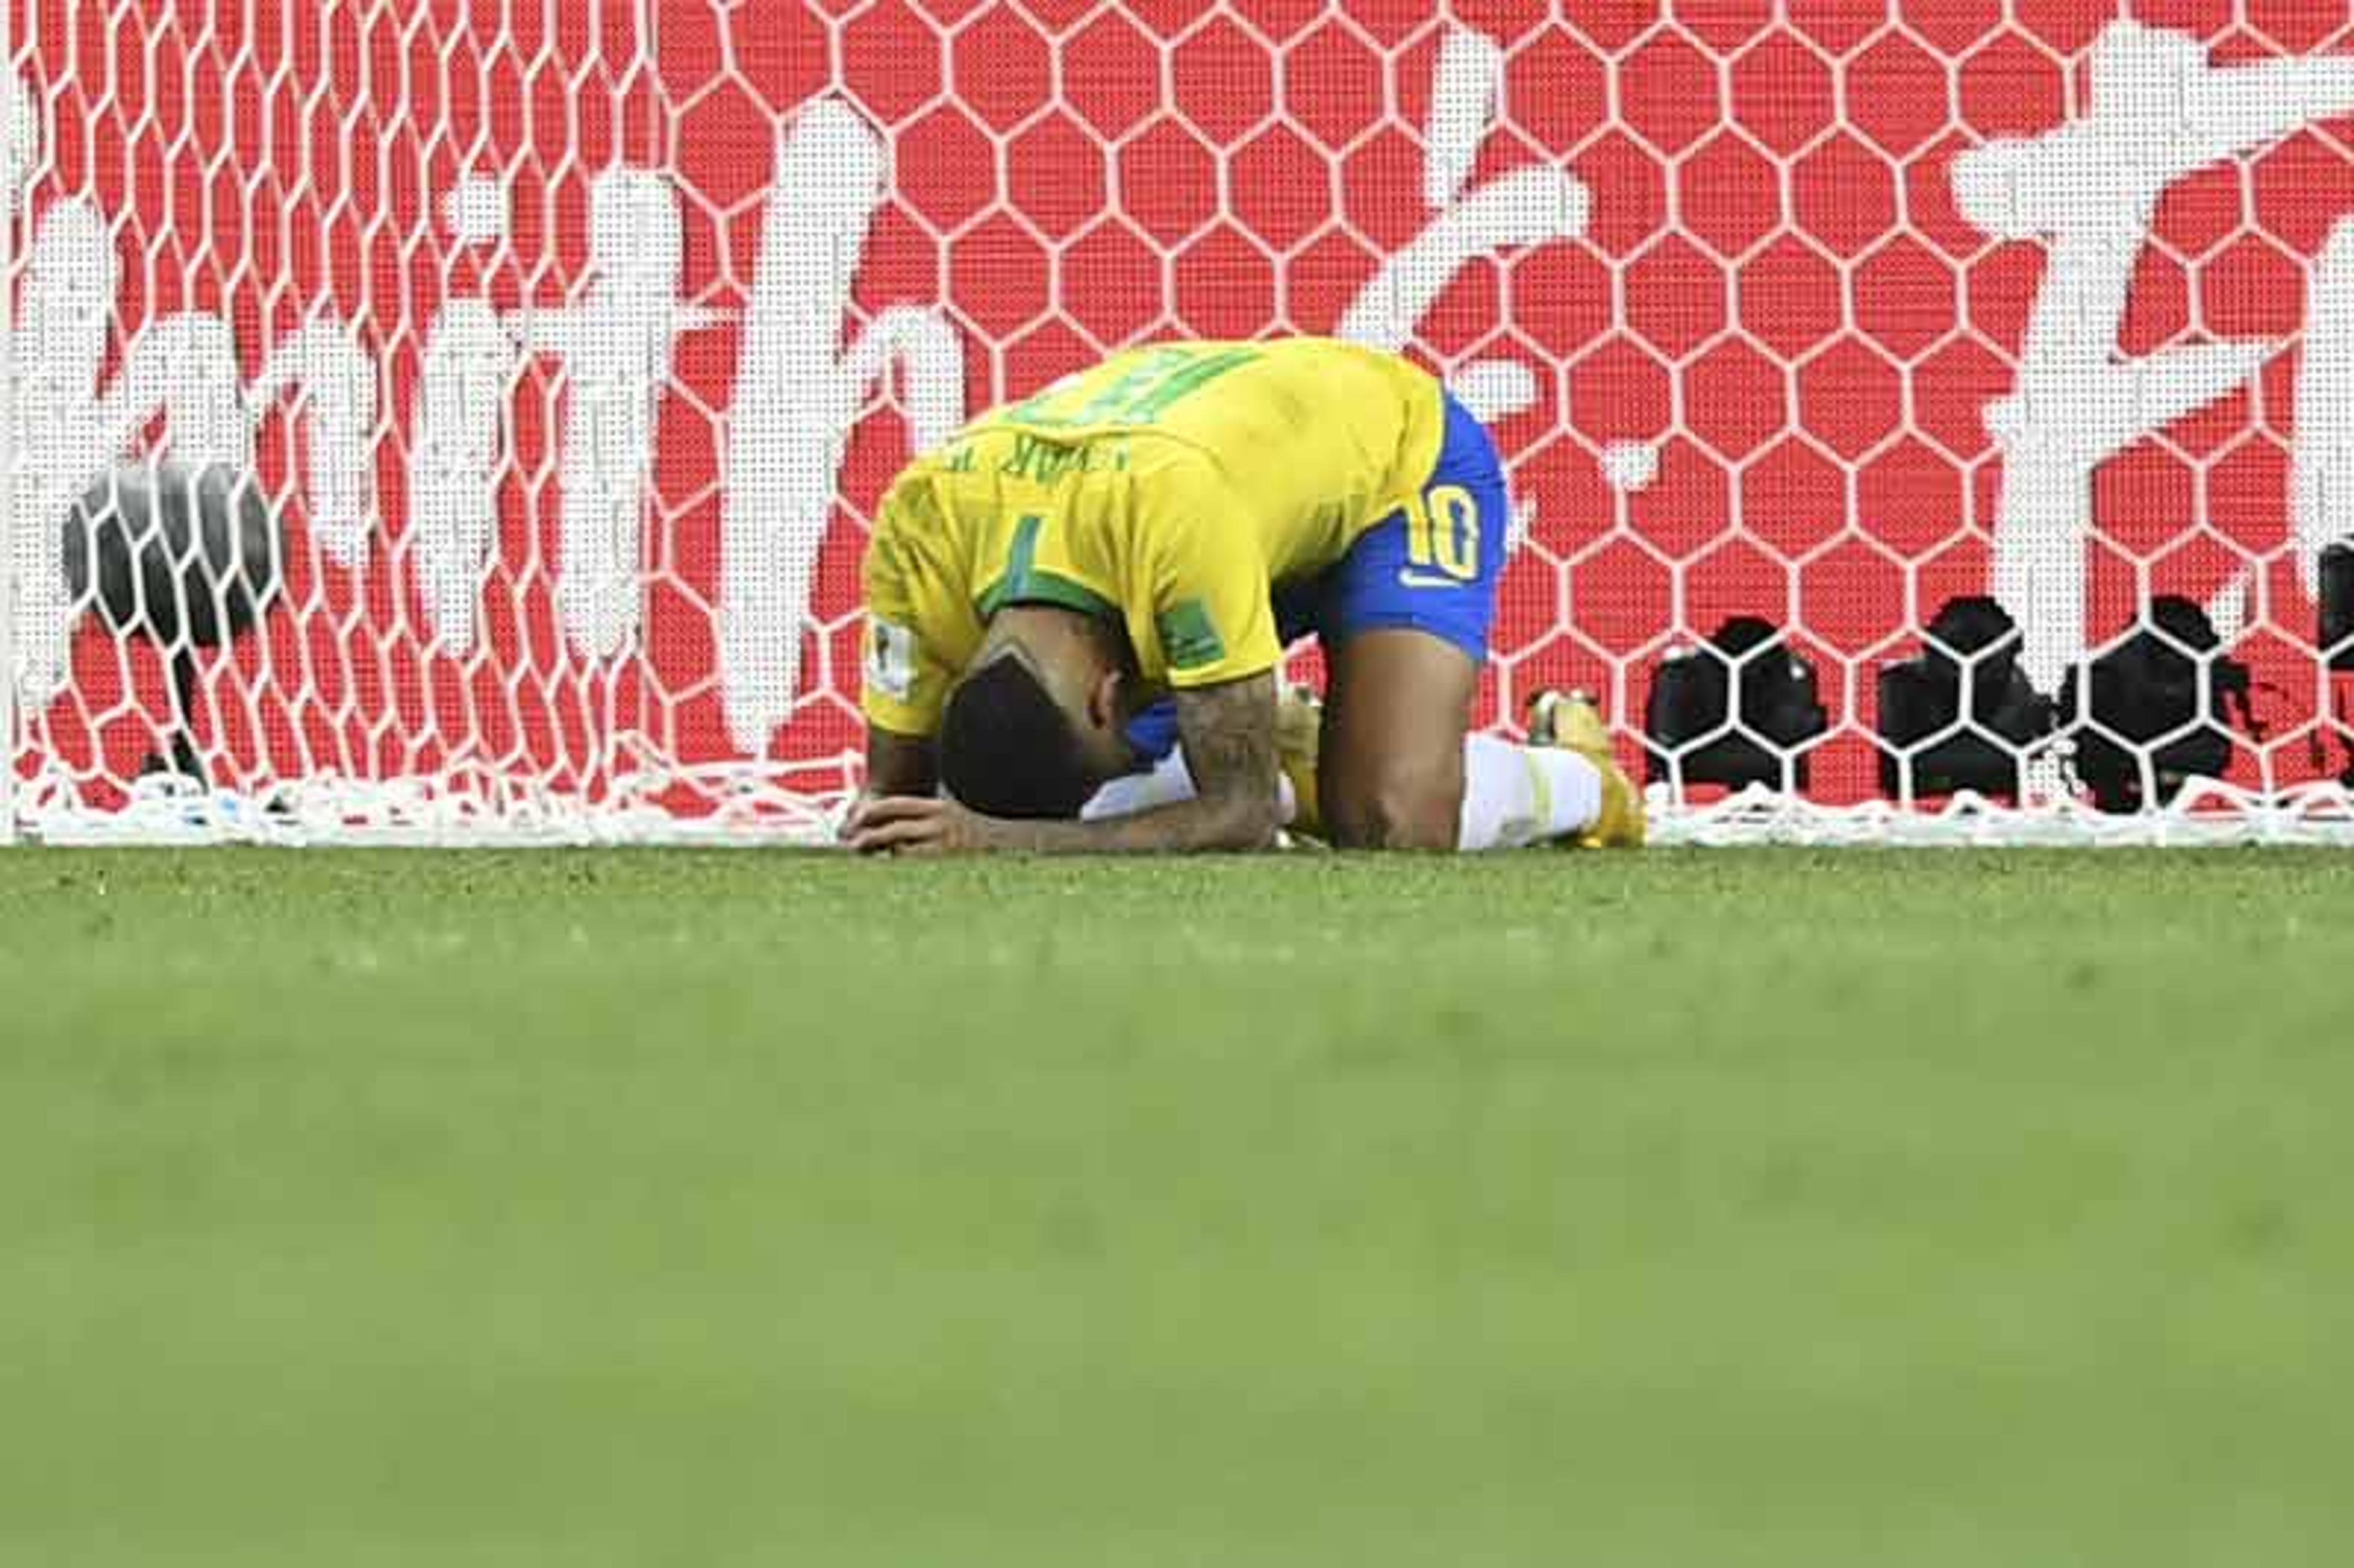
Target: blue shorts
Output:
[(1431, 567)]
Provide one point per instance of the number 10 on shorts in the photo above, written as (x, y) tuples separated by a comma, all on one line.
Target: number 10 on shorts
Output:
[(1443, 531)]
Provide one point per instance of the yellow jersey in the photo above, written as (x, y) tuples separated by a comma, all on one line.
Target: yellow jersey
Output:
[(1169, 490)]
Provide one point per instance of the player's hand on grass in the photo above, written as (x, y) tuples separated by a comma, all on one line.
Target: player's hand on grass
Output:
[(916, 824)]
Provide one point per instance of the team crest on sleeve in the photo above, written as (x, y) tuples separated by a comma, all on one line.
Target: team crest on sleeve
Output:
[(890, 659), (1189, 638)]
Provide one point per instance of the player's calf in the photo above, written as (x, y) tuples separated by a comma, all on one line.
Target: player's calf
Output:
[(1404, 804), (1391, 772)]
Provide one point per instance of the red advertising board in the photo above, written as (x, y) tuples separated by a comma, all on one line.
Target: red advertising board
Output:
[(577, 337)]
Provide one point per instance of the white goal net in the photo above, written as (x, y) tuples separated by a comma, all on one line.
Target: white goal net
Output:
[(456, 420)]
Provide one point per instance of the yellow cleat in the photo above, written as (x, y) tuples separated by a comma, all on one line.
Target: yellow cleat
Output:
[(1299, 737), (1571, 721)]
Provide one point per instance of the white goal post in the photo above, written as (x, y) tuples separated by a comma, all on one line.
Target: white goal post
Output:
[(456, 421)]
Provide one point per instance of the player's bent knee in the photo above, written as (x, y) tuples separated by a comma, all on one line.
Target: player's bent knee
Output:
[(1395, 813)]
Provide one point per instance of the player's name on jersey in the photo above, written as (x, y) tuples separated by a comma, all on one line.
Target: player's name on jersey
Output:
[(1043, 461)]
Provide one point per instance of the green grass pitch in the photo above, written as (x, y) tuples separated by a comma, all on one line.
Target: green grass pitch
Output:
[(1696, 1209)]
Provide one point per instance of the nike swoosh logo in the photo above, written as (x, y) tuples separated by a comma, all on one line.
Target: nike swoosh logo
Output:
[(1409, 577)]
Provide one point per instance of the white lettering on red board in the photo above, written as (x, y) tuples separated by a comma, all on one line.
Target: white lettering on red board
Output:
[(2158, 111)]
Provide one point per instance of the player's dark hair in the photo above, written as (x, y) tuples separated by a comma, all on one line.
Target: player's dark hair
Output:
[(1006, 750)]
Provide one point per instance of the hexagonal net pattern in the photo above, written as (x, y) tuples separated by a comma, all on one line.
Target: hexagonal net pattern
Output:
[(526, 372)]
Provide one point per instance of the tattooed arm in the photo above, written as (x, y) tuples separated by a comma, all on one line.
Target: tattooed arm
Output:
[(1228, 731)]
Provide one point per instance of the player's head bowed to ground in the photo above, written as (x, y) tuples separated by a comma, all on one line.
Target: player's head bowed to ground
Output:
[(1077, 607), (1041, 721)]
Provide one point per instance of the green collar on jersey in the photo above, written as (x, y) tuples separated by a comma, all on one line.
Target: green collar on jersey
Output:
[(1025, 583)]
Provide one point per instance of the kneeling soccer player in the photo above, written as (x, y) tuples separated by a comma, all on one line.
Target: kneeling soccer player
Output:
[(1127, 553)]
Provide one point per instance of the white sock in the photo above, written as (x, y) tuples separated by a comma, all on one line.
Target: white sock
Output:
[(1514, 796), (1168, 783)]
